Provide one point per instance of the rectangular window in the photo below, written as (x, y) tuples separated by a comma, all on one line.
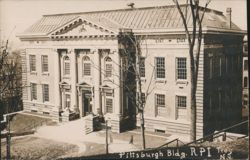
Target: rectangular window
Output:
[(143, 98), (226, 61), (245, 65), (33, 91), (67, 68), (232, 64), (160, 67), (210, 68), (160, 100), (109, 101), (220, 61), (142, 67), (245, 102), (160, 104), (245, 47), (32, 63), (86, 69), (245, 82), (67, 100), (210, 104), (109, 105), (181, 102), (45, 92), (181, 68), (108, 71), (220, 101), (45, 65)]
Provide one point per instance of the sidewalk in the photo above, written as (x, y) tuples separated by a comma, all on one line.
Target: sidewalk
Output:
[(73, 132)]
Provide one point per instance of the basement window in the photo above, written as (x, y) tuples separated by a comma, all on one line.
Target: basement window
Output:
[(180, 40), (159, 131), (46, 113)]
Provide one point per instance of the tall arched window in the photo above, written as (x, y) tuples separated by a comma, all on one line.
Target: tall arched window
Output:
[(66, 65), (108, 67), (86, 67)]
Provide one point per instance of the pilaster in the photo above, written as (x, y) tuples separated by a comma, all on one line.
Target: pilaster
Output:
[(117, 90)]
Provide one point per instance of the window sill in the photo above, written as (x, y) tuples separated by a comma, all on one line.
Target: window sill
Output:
[(33, 73), (45, 74), (66, 77), (161, 81), (34, 101), (87, 77), (46, 103), (182, 108), (178, 81)]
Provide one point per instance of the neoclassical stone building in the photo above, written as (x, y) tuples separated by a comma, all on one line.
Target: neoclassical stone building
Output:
[(75, 63)]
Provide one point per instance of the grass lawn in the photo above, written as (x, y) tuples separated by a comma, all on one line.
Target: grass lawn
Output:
[(32, 148), (240, 147), (23, 122), (91, 149)]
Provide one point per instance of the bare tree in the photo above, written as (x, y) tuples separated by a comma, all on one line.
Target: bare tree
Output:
[(132, 48), (10, 82), (194, 38)]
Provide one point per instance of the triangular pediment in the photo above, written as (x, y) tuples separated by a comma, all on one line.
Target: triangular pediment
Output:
[(84, 84), (82, 28)]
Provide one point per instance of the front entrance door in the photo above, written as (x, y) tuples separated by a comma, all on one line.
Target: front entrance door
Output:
[(86, 106)]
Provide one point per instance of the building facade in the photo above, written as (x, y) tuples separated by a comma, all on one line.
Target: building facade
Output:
[(245, 80), (77, 63)]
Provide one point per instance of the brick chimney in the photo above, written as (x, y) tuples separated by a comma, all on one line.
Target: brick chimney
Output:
[(229, 17)]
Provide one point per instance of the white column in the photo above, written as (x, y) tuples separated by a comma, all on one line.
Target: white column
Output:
[(73, 78), (96, 78), (56, 69)]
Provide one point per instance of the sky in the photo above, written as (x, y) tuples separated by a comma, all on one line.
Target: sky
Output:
[(18, 15)]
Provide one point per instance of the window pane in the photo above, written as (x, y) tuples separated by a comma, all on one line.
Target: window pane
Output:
[(66, 65), (160, 100), (67, 101), (181, 101), (109, 105), (210, 68), (160, 105), (45, 67), (108, 70), (109, 94), (181, 68), (245, 64), (87, 69), (32, 63), (160, 67), (46, 92), (33, 91), (245, 82), (142, 67)]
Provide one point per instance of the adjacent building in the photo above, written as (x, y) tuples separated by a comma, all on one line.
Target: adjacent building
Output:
[(77, 63), (245, 80)]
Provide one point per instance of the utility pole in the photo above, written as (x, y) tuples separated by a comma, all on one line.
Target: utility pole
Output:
[(107, 145), (8, 138), (1, 136)]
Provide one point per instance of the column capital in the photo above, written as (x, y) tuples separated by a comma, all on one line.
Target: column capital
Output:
[(113, 51), (94, 50)]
